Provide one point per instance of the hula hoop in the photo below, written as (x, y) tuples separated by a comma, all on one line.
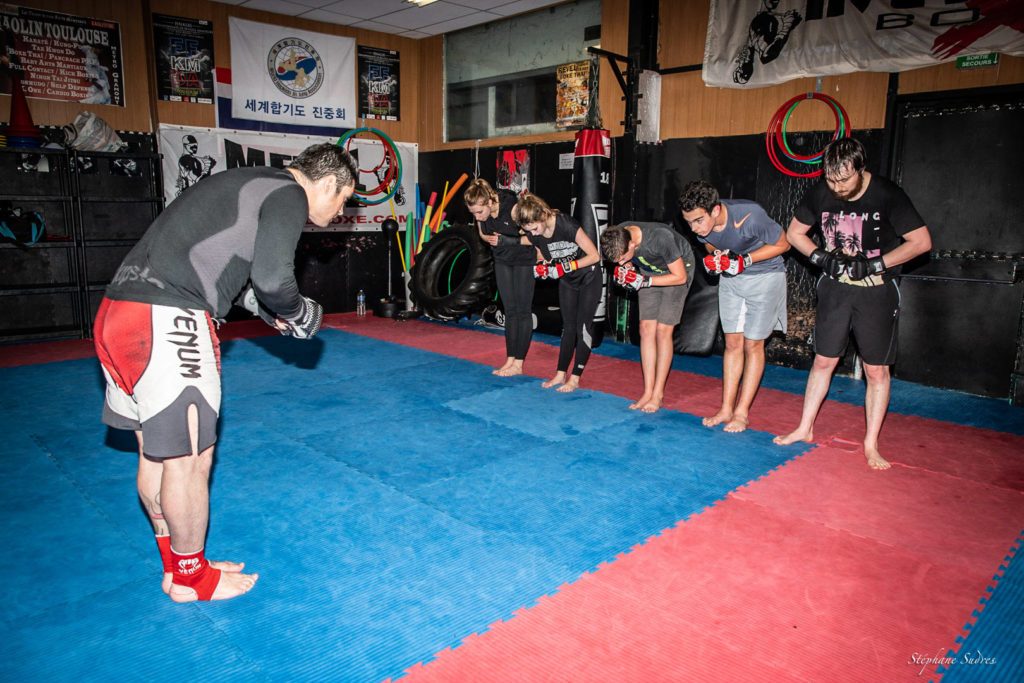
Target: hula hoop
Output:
[(776, 134), (394, 168)]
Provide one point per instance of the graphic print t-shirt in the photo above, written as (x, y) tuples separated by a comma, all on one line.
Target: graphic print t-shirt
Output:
[(562, 243), (871, 225)]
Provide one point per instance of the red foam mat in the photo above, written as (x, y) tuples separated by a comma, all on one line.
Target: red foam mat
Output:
[(738, 593)]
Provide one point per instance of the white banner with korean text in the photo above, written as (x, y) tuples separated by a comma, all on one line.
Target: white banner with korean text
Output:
[(191, 153), (286, 75), (756, 43)]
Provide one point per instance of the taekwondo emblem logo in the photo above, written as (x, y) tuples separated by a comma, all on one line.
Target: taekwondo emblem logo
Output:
[(295, 67)]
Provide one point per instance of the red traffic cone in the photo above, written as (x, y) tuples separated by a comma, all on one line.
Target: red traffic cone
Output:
[(21, 130)]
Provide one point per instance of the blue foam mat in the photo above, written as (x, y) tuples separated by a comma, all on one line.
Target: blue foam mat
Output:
[(991, 652)]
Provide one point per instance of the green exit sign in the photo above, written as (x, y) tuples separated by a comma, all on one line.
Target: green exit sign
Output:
[(975, 61)]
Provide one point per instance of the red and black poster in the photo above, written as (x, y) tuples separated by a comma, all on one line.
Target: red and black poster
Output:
[(514, 170), (61, 56), (184, 58), (378, 84)]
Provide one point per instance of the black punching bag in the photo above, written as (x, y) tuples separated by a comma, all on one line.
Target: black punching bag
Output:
[(591, 195)]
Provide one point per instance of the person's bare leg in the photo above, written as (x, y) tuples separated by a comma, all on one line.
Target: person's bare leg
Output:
[(648, 361), (817, 389), (185, 499), (510, 369), (148, 482), (571, 384), (753, 369), (663, 364), (559, 378), (876, 403), (732, 370)]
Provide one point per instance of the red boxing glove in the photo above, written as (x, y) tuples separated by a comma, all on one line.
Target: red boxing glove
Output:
[(733, 263), (540, 271), (561, 268), (713, 263), (630, 279)]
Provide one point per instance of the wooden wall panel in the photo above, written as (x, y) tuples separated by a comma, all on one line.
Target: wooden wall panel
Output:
[(1009, 71), (135, 116), (690, 109)]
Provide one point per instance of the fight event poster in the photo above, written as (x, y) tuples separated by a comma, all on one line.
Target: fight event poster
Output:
[(378, 84), (755, 43), (572, 97), (184, 59), (61, 56)]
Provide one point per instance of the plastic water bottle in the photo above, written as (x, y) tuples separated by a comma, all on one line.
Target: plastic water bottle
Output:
[(361, 303)]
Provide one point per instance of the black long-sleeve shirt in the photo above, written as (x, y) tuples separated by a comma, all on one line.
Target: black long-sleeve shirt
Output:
[(235, 226)]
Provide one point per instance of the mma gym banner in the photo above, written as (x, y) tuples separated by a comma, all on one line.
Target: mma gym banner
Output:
[(286, 75), (191, 154), (755, 43), (591, 195)]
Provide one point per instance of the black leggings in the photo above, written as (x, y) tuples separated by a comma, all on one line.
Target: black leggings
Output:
[(515, 287), (578, 299)]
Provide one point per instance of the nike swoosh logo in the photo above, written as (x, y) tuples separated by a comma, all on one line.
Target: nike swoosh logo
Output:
[(743, 220)]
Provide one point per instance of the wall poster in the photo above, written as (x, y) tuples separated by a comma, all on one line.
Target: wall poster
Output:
[(378, 84), (61, 56), (184, 58), (572, 98)]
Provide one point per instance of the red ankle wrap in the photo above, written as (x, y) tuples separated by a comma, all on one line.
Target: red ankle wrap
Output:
[(194, 571), (164, 543)]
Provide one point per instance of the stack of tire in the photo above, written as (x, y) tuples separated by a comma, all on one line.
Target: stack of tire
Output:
[(453, 277)]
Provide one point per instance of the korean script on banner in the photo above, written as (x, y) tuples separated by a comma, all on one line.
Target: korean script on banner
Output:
[(572, 98), (192, 153), (286, 75), (755, 43), (184, 59), (61, 56), (378, 84)]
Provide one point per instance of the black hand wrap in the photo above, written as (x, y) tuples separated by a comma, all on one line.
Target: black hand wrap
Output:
[(859, 267), (832, 263), (507, 241), (308, 321), (249, 302)]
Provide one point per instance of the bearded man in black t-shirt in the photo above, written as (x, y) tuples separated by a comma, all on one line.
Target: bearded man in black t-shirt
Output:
[(869, 228)]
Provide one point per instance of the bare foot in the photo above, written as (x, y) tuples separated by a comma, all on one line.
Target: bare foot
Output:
[(231, 585), (640, 402), (571, 384), (737, 424), (875, 460), (503, 368), (793, 437), (559, 378), (509, 370), (718, 418), (651, 406), (230, 567)]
